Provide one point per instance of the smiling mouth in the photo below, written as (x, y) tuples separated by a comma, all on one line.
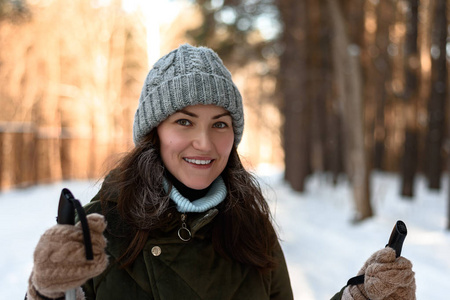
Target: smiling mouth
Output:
[(198, 161)]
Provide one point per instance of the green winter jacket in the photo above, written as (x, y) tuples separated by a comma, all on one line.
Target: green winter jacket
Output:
[(338, 296), (169, 268)]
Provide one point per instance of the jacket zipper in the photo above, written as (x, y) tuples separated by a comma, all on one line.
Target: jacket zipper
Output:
[(184, 233)]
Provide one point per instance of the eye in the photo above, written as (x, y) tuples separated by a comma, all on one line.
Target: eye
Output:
[(183, 122), (220, 125)]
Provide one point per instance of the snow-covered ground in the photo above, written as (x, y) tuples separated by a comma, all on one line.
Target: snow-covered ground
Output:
[(322, 247)]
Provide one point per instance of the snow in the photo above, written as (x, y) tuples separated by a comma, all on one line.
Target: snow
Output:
[(323, 248)]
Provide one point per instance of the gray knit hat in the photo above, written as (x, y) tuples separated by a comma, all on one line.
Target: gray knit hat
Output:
[(187, 76)]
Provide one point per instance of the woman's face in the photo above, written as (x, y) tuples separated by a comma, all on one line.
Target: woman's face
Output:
[(196, 143)]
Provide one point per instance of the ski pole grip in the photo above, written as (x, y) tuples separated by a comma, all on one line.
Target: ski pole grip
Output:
[(66, 208), (397, 237), (66, 215)]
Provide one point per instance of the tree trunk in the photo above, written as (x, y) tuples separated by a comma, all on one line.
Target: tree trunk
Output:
[(409, 164), (319, 81), (292, 86), (349, 85), (381, 76), (436, 110)]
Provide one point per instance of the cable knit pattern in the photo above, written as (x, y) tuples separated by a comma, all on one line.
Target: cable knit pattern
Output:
[(386, 277), (60, 261), (215, 195), (390, 277)]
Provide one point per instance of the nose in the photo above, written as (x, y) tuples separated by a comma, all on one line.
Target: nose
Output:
[(202, 141)]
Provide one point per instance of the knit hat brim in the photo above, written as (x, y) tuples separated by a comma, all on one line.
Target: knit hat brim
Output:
[(185, 90)]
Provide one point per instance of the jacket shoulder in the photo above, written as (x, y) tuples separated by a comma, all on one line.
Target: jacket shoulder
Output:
[(107, 191), (338, 296), (94, 206)]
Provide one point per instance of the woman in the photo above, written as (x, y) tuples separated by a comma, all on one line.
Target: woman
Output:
[(185, 219)]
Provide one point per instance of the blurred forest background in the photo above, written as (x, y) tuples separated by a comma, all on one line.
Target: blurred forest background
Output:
[(339, 87)]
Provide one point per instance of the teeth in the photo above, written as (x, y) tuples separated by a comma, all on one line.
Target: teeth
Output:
[(197, 161)]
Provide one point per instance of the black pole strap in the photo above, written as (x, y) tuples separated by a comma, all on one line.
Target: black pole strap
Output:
[(66, 215), (356, 280), (86, 232)]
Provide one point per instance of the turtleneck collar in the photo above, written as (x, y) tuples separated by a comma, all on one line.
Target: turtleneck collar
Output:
[(215, 194), (185, 191)]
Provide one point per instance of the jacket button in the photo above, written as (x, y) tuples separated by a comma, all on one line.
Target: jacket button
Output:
[(156, 251)]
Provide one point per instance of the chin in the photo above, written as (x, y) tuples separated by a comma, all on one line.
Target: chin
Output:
[(198, 184)]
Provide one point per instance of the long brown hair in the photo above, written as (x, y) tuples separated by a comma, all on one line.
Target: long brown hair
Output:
[(242, 230)]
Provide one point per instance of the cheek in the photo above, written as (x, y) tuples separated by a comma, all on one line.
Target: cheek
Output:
[(225, 145), (169, 140), (164, 153), (172, 147), (169, 146), (170, 155)]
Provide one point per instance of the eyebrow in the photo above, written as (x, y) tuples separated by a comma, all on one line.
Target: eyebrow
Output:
[(196, 116)]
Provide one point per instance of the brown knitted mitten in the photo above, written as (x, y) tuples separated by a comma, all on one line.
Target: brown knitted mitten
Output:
[(60, 262), (386, 277), (32, 294)]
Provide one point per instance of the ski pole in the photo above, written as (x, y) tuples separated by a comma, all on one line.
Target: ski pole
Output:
[(395, 242), (66, 215), (397, 237)]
